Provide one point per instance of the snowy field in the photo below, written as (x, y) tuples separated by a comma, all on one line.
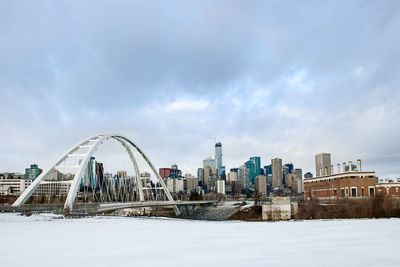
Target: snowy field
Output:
[(112, 241)]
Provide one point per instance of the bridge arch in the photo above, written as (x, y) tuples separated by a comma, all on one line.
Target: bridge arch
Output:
[(93, 143)]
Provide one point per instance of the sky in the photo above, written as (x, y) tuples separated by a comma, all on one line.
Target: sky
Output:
[(266, 78)]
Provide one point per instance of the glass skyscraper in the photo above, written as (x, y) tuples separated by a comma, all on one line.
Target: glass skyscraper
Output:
[(267, 170), (218, 158), (250, 166), (257, 165), (33, 172)]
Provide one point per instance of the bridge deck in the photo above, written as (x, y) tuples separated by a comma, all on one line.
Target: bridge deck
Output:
[(144, 204)]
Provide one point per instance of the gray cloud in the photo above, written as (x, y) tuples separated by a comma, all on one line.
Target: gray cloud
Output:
[(270, 78)]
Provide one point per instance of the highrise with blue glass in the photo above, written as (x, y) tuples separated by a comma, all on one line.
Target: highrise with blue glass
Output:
[(257, 165), (251, 169)]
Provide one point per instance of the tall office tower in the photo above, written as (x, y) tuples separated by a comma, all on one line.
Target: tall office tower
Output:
[(268, 173), (99, 176), (209, 162), (322, 164), (298, 173), (276, 172), (251, 170), (223, 173), (175, 172), (288, 168), (267, 170), (91, 173), (208, 174), (287, 171), (243, 176), (261, 184), (200, 175), (218, 158), (235, 170), (257, 164), (231, 177)]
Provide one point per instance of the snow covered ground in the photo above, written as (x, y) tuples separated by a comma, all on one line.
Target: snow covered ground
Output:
[(111, 241)]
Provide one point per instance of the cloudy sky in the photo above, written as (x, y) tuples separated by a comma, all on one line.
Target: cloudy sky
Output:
[(266, 78)]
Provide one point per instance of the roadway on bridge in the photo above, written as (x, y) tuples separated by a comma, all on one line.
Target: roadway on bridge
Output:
[(125, 205)]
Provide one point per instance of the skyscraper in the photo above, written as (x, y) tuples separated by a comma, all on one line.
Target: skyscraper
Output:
[(223, 173), (243, 176), (33, 172), (257, 164), (287, 172), (267, 170), (200, 175), (298, 173), (209, 162), (251, 170), (322, 164), (218, 158), (208, 174), (261, 184), (268, 173), (276, 172), (175, 172), (288, 167), (231, 177), (91, 173)]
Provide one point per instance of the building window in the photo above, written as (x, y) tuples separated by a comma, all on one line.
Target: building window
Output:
[(362, 191), (347, 191), (353, 191), (371, 191), (342, 189)]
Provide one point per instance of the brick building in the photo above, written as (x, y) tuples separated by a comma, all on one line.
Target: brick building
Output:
[(388, 189), (347, 184), (164, 172)]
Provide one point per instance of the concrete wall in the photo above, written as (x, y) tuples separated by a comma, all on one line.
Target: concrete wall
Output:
[(279, 209)]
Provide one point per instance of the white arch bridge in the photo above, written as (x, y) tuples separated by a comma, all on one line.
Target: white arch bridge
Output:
[(82, 187)]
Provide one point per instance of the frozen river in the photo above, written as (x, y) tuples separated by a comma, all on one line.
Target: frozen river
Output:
[(112, 241)]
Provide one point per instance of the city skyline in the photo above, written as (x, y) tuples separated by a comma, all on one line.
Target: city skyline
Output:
[(123, 164), (275, 80)]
